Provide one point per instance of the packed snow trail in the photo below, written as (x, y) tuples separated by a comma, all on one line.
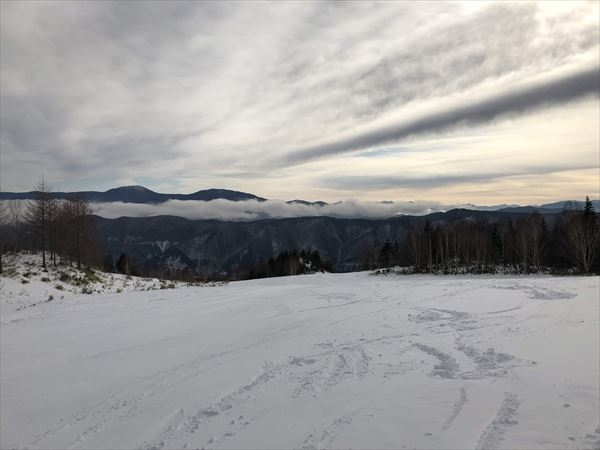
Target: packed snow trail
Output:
[(319, 361)]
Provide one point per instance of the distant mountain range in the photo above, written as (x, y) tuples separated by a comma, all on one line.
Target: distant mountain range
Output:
[(136, 194), (208, 247), (142, 195)]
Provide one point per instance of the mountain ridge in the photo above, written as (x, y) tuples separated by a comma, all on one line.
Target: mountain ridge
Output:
[(137, 194), (208, 247)]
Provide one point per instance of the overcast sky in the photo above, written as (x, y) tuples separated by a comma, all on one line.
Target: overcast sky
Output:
[(442, 102)]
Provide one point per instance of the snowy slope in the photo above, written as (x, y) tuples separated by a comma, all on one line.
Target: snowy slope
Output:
[(318, 361), (25, 285)]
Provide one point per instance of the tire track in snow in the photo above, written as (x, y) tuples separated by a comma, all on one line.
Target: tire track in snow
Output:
[(171, 423), (539, 292), (334, 365), (121, 405), (504, 310), (592, 440), (192, 423), (109, 405), (494, 433), (457, 408), (447, 367), (118, 405), (340, 364), (121, 409), (488, 363), (326, 438), (238, 396), (331, 306)]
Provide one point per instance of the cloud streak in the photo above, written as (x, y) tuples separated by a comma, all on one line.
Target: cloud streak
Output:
[(395, 181), (518, 101)]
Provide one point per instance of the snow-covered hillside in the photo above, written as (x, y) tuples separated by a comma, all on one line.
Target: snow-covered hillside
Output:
[(316, 361), (24, 284)]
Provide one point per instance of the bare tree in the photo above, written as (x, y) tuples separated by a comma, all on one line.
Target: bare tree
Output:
[(536, 233), (580, 239), (15, 219), (428, 244), (82, 231), (53, 209), (529, 244), (37, 215), (369, 256), (74, 231), (414, 248), (4, 224)]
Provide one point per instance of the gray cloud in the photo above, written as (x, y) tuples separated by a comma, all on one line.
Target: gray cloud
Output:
[(253, 210), (442, 180), (250, 210), (517, 101), (206, 91)]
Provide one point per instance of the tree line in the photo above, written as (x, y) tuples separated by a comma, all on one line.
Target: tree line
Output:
[(61, 230), (528, 244), (285, 263)]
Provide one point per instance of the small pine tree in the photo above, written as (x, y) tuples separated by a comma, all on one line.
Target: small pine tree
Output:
[(588, 209)]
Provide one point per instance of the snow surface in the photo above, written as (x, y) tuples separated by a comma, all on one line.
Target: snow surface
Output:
[(315, 361)]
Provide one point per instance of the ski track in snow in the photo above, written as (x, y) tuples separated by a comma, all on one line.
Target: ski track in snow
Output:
[(314, 350)]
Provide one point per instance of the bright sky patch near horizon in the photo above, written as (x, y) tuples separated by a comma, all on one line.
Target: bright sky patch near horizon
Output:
[(453, 101)]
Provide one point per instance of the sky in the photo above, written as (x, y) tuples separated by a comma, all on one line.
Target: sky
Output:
[(453, 102)]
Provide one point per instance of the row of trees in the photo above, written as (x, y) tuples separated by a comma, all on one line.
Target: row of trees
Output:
[(294, 263), (285, 263), (61, 230), (528, 244)]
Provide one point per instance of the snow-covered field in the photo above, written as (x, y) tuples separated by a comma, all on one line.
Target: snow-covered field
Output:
[(316, 361)]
